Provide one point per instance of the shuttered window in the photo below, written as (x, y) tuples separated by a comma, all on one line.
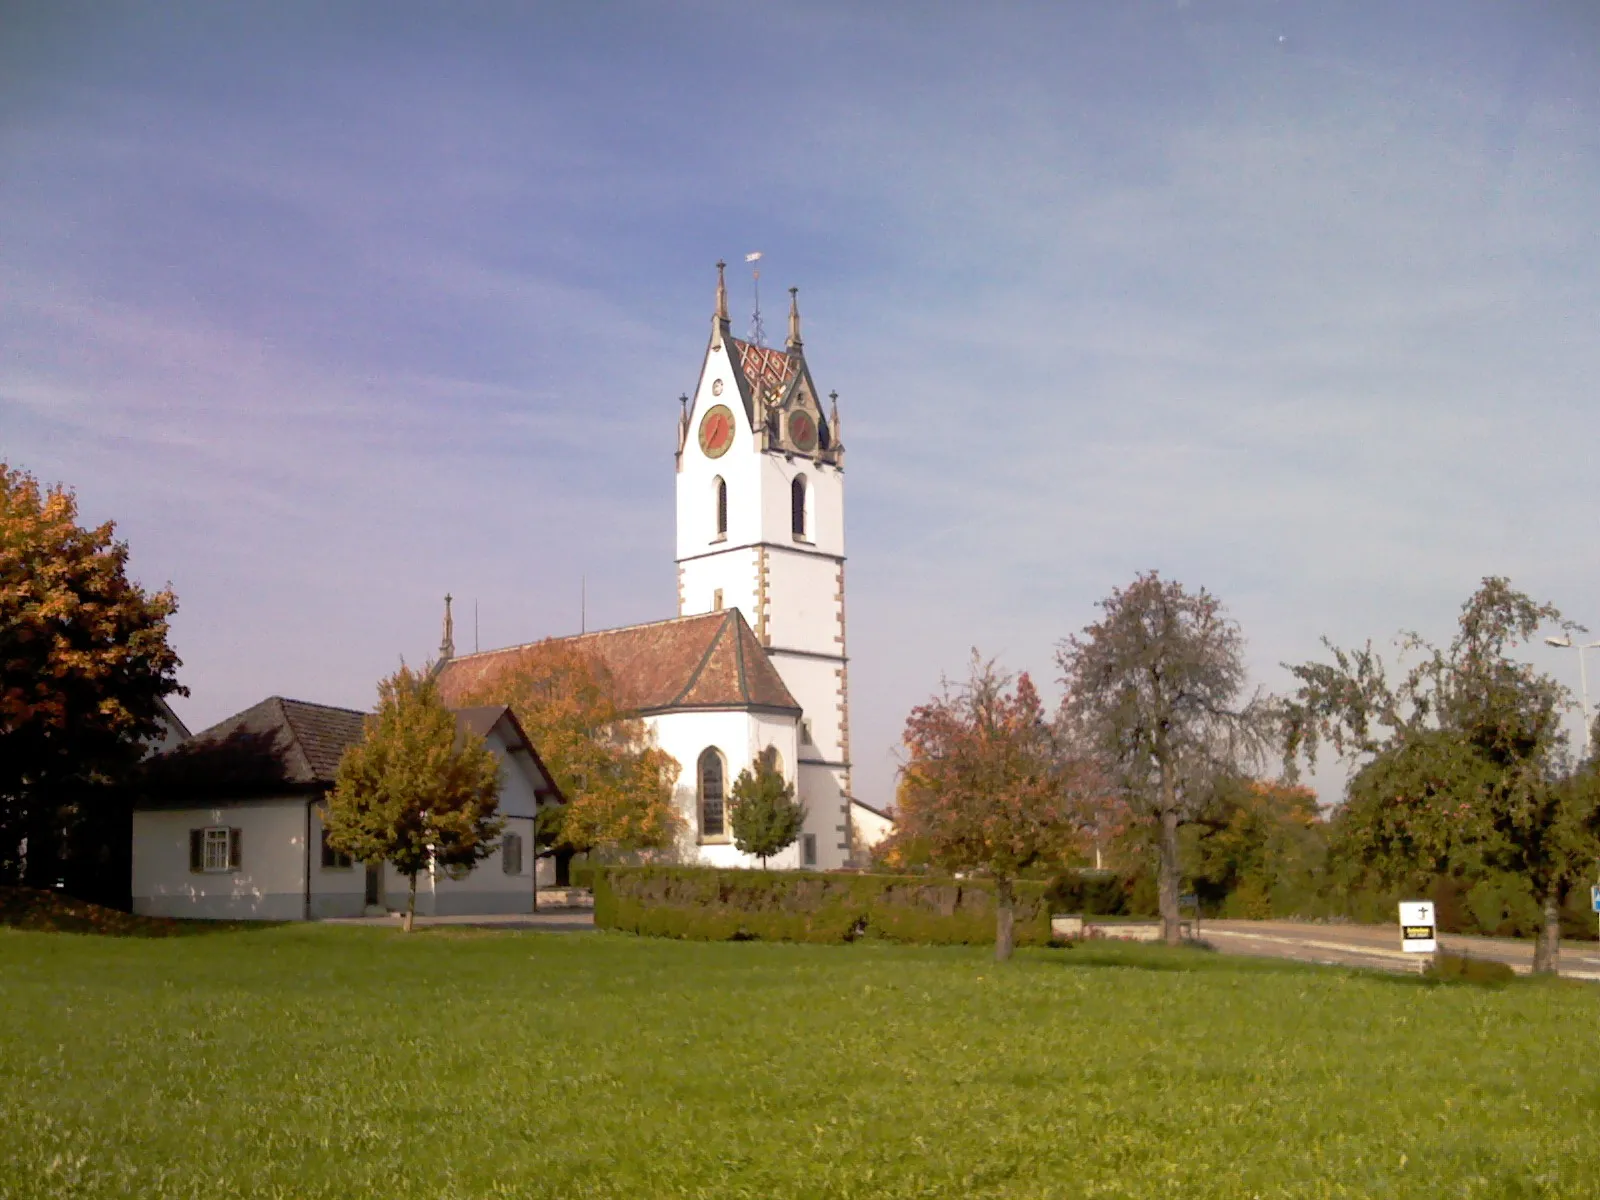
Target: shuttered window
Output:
[(332, 859), (215, 848)]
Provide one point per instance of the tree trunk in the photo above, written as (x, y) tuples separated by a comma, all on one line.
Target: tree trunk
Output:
[(1004, 919), (1547, 949), (1167, 879), (411, 903)]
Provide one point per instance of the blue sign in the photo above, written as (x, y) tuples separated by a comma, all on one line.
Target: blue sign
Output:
[(1594, 897)]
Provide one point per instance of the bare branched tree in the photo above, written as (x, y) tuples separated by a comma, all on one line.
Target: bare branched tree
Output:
[(1156, 693)]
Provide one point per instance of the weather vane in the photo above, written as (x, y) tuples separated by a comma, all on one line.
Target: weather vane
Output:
[(758, 333)]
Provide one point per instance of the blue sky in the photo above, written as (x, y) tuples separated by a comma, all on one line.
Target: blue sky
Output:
[(334, 308)]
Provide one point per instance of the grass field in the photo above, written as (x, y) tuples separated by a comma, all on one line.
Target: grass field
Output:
[(341, 1062)]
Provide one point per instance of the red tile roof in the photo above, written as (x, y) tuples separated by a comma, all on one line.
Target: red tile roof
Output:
[(708, 661)]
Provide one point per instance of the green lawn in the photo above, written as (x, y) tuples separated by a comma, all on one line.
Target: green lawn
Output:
[(339, 1062)]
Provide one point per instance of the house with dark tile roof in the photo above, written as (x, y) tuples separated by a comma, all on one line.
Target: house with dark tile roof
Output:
[(755, 660), (228, 824)]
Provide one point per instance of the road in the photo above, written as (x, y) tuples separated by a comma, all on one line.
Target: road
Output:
[(1379, 946), (1338, 945)]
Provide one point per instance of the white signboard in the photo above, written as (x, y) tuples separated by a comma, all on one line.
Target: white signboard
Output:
[(1416, 927)]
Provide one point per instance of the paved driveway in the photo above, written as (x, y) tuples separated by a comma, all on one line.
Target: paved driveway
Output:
[(1379, 946)]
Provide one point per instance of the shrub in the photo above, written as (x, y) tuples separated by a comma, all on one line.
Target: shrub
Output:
[(581, 875), (707, 904)]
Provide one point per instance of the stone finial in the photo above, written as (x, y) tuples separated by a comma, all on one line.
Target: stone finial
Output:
[(447, 643), (719, 319), (794, 318), (833, 419)]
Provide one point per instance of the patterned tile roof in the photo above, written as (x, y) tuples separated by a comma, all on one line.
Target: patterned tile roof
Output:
[(708, 661), (765, 367)]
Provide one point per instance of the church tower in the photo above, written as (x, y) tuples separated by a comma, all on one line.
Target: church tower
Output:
[(761, 528)]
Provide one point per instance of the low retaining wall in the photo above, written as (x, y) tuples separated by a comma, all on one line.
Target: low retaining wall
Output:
[(1082, 928), (707, 904)]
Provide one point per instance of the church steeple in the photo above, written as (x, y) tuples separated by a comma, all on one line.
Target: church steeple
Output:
[(447, 643), (794, 320), (719, 319)]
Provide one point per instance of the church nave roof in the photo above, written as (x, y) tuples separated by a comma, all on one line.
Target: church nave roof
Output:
[(712, 660)]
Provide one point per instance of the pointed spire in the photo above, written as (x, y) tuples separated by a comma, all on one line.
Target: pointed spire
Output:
[(683, 421), (719, 319), (833, 421), (794, 318), (447, 643)]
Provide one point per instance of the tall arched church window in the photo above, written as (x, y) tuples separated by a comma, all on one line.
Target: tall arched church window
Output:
[(712, 824), (797, 505), (720, 487)]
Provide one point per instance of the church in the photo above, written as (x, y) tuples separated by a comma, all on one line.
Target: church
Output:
[(755, 659)]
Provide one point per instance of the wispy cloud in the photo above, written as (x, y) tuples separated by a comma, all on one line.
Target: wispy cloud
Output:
[(334, 315)]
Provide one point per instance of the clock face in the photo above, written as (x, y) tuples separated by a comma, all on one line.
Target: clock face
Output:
[(716, 387), (716, 431), (802, 430)]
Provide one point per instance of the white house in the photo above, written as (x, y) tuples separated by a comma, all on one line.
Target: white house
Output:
[(229, 824), (868, 827), (755, 658)]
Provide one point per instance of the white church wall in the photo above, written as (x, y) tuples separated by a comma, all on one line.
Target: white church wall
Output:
[(739, 466), (814, 683), (823, 790), (803, 612), (738, 736), (824, 502), (734, 574)]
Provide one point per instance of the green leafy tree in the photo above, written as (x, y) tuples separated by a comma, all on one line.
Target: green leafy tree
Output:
[(985, 789), (1155, 692), (416, 790), (1463, 759), (763, 813), (619, 785), (1258, 849), (84, 665)]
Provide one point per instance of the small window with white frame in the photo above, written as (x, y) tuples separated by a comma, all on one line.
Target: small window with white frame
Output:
[(511, 854), (213, 849), (808, 850)]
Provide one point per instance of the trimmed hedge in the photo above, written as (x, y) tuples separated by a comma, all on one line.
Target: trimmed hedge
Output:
[(707, 904)]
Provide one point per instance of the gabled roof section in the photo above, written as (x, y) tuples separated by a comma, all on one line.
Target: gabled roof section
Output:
[(484, 719), (276, 745), (287, 746), (712, 660)]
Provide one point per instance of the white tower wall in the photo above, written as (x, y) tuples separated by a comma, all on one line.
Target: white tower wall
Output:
[(789, 585)]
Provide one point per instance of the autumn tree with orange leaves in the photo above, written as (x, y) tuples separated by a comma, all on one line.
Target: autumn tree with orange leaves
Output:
[(84, 664), (619, 785), (983, 788)]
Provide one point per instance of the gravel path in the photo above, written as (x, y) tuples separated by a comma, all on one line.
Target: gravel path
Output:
[(1379, 946)]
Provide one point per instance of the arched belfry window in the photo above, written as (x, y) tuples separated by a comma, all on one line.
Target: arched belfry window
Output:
[(720, 487), (712, 824), (797, 505)]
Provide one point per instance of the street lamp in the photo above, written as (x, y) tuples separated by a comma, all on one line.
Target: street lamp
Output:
[(1565, 642)]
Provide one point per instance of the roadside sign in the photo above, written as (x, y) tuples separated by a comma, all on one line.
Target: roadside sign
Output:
[(1594, 897), (1417, 927)]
